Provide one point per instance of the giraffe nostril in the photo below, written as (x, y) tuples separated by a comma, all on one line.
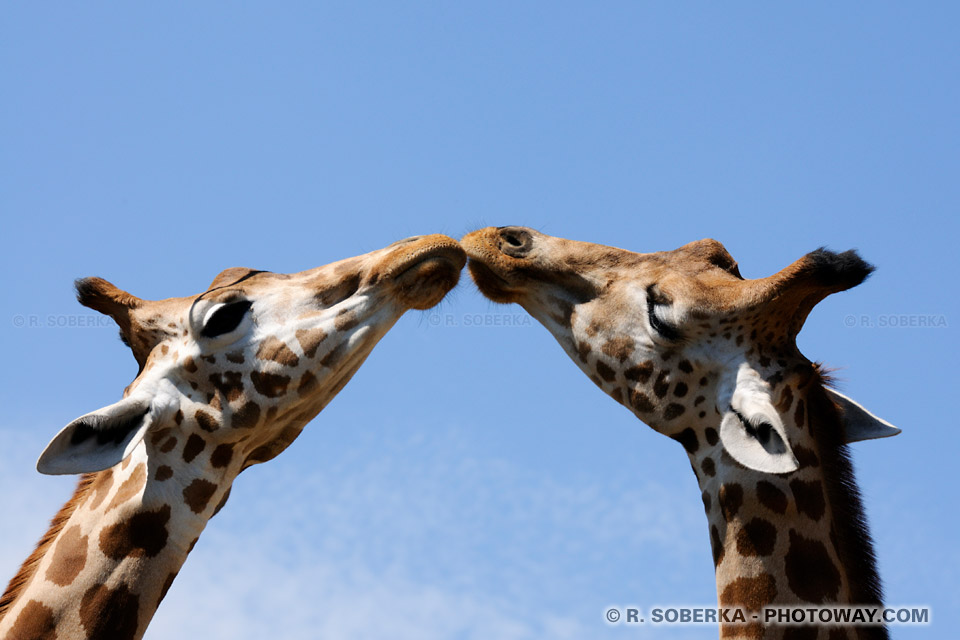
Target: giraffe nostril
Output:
[(515, 241)]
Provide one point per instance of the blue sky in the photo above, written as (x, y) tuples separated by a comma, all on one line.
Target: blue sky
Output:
[(470, 482)]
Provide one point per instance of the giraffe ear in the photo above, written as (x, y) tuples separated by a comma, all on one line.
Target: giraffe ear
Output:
[(98, 440), (751, 430), (859, 424)]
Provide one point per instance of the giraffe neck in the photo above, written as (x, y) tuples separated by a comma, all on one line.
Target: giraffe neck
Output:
[(114, 550), (793, 540)]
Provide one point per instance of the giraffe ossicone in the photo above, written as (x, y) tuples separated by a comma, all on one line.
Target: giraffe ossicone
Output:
[(227, 379), (710, 359)]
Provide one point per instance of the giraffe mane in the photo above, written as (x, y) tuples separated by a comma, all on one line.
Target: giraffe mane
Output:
[(30, 565), (853, 541)]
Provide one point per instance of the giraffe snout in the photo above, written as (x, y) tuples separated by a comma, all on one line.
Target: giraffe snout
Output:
[(515, 242)]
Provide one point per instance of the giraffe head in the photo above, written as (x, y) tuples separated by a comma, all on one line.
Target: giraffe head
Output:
[(247, 363), (680, 337)]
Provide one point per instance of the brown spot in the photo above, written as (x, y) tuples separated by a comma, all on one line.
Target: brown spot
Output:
[(640, 373), (166, 586), (143, 534), (221, 456), (752, 594), (811, 574), (809, 498), (178, 416), (169, 445), (606, 372), (236, 357), (346, 319), (716, 545), (163, 473), (310, 339), (805, 457), (661, 386), (640, 402), (756, 538), (680, 389), (617, 394), (619, 348), (705, 497), (277, 351), (206, 421), (673, 410), (101, 488), (130, 487), (189, 365), (270, 385), (798, 414), (35, 622), (308, 383), (229, 383), (109, 613), (583, 350), (69, 557), (198, 494), (223, 502), (711, 435), (246, 416), (685, 366), (335, 355), (688, 438), (708, 467), (194, 446), (730, 498), (771, 497), (786, 399)]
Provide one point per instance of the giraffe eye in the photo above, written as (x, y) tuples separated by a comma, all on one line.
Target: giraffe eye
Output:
[(658, 324), (225, 318)]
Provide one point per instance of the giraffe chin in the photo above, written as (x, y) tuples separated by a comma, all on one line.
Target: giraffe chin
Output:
[(432, 274), (490, 284)]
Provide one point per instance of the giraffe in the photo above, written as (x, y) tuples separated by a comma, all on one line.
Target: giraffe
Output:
[(710, 359), (227, 379)]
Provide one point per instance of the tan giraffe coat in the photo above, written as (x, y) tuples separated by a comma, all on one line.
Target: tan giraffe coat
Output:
[(710, 359), (227, 379)]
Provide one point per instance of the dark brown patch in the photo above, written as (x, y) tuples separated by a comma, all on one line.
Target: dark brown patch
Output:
[(310, 339), (752, 594), (277, 351), (809, 498), (109, 613), (705, 497), (708, 467), (786, 400), (346, 319), (583, 351), (178, 416), (166, 586), (716, 545), (206, 421), (798, 414), (335, 355), (189, 365), (221, 456), (168, 446), (757, 538), (246, 416), (680, 389), (730, 498), (617, 394), (811, 574), (130, 487), (640, 402), (194, 446), (661, 386), (198, 494), (712, 436), (35, 622), (606, 372), (805, 457), (163, 473), (640, 373), (685, 366), (271, 385), (688, 438), (771, 497), (223, 502), (143, 534), (236, 357), (308, 383), (673, 410), (619, 348), (229, 383)]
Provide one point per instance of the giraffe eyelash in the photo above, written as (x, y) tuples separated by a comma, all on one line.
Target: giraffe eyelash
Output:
[(663, 328)]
